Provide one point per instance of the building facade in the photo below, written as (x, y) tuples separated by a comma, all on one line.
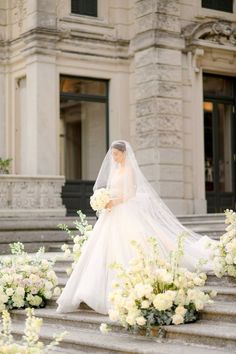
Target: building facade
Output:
[(77, 74)]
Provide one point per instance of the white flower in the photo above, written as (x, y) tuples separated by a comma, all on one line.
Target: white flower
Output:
[(141, 321), (57, 291), (64, 247), (180, 310), (113, 315), (162, 302), (177, 319), (104, 328), (145, 304), (9, 292)]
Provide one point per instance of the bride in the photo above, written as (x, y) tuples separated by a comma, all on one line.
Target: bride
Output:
[(135, 211)]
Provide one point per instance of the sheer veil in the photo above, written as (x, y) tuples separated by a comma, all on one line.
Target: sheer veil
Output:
[(137, 187)]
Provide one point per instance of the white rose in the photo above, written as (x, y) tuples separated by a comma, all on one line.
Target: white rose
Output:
[(141, 321), (180, 310), (177, 319), (162, 302), (57, 291)]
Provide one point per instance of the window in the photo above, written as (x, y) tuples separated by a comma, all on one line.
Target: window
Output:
[(84, 7), (220, 5)]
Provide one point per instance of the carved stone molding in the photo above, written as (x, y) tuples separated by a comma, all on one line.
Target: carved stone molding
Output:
[(218, 32), (25, 195)]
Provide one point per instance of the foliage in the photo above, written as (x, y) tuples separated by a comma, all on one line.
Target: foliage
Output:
[(79, 238)]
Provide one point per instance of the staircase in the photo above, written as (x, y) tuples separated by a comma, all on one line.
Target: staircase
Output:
[(215, 332), (35, 233)]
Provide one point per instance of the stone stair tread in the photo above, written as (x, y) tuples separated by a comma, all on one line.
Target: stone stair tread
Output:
[(221, 289), (125, 343), (221, 307), (206, 328)]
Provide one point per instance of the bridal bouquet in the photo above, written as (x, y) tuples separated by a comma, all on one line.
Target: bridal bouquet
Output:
[(84, 229), (99, 199), (25, 280), (153, 292), (29, 343), (224, 251)]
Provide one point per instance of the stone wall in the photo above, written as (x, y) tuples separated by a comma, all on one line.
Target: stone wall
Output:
[(157, 49), (31, 196)]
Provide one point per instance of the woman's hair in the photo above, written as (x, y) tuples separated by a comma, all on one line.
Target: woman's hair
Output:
[(119, 145)]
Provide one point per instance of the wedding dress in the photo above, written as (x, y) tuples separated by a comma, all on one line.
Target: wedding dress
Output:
[(141, 214)]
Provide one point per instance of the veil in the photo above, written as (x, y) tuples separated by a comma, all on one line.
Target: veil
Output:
[(137, 187)]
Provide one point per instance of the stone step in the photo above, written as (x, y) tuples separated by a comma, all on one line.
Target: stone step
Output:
[(86, 340), (224, 293), (221, 311), (87, 318), (220, 334), (201, 217)]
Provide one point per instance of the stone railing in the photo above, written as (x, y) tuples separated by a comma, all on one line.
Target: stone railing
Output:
[(31, 196)]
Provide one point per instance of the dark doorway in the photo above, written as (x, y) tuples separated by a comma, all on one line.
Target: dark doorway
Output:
[(83, 138), (219, 137)]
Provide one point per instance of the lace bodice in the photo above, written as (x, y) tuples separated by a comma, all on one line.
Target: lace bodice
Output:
[(117, 185)]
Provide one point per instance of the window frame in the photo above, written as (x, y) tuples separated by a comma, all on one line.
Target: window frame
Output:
[(218, 9), (80, 13)]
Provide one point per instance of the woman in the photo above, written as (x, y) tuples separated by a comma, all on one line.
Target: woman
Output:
[(135, 211)]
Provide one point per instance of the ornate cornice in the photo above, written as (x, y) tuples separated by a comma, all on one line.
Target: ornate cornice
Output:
[(220, 32)]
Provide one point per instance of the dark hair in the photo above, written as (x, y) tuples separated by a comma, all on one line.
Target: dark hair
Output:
[(119, 145)]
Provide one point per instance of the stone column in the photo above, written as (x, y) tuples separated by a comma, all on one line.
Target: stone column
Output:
[(159, 119), (3, 19), (41, 129)]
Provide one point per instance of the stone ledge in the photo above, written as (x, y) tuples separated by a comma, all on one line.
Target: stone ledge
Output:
[(31, 195)]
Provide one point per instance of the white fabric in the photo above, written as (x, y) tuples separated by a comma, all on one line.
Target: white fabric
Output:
[(140, 214)]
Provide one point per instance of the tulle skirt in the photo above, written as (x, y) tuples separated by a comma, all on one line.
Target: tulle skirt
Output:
[(110, 241)]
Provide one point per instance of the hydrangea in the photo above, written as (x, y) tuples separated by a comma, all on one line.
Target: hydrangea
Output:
[(26, 280)]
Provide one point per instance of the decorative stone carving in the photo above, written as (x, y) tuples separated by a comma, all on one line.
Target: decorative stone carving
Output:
[(220, 32), (25, 195)]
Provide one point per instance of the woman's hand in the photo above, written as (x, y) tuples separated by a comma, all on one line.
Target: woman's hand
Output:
[(109, 205)]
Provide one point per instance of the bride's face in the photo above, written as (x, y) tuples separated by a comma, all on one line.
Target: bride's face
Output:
[(118, 156)]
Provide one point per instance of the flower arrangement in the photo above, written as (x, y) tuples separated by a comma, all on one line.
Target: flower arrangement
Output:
[(224, 251), (26, 280), (29, 343), (153, 292), (99, 199), (84, 229)]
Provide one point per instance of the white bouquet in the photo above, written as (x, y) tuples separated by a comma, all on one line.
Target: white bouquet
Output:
[(26, 280), (84, 229), (29, 343), (153, 292), (99, 199), (224, 251)]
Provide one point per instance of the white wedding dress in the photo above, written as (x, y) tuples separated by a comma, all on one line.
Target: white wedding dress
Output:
[(110, 241)]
